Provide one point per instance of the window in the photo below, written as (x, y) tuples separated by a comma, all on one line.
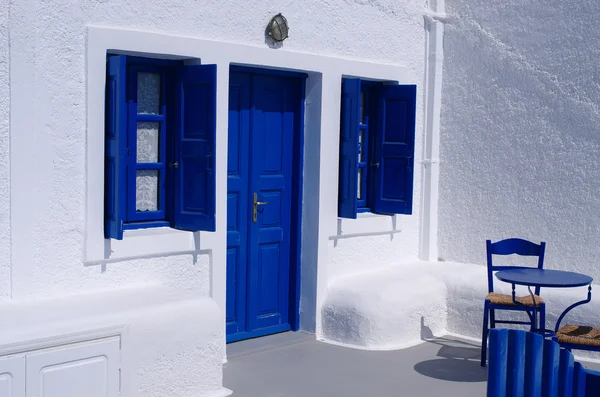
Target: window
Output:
[(377, 144), (160, 140)]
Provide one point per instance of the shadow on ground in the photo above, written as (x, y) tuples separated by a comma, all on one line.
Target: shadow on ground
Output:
[(294, 364), (458, 362)]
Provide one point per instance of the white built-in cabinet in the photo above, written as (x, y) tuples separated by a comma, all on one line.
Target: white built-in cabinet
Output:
[(12, 376), (90, 369)]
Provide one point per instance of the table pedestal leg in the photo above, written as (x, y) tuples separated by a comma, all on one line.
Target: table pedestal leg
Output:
[(533, 314), (574, 305)]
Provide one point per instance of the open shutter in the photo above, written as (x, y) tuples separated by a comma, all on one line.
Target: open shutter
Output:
[(115, 171), (395, 149), (194, 179), (348, 178)]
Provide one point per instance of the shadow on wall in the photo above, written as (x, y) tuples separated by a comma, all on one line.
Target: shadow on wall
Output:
[(369, 223), (195, 253)]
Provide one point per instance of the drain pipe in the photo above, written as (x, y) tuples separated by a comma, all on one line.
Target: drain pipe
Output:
[(435, 18)]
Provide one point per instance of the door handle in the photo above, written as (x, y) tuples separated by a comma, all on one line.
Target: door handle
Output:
[(255, 207)]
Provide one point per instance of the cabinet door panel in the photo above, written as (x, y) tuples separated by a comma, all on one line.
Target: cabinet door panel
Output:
[(88, 369), (12, 377)]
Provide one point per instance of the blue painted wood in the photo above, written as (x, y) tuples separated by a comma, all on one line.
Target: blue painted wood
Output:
[(265, 71), (508, 247), (194, 177), (238, 199), (565, 374), (258, 333), (133, 166), (394, 150), (271, 164), (145, 225), (265, 121), (116, 146), (516, 246), (548, 370), (544, 278), (533, 364), (551, 361), (592, 383), (349, 130), (498, 366), (515, 374), (579, 380)]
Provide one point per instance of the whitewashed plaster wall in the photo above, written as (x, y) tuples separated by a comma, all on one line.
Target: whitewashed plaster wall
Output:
[(4, 156), (48, 108), (373, 241), (520, 143)]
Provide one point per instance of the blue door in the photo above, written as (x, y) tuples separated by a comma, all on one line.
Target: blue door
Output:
[(263, 119)]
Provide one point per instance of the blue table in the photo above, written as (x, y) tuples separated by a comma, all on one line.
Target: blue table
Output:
[(549, 279)]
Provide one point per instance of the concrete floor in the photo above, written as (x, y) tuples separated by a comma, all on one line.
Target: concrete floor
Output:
[(294, 364)]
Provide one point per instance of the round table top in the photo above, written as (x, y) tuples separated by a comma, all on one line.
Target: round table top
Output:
[(544, 278)]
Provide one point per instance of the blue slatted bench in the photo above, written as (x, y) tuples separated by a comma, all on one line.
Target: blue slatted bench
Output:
[(524, 364)]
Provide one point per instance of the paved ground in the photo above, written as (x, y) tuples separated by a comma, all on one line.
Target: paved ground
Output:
[(294, 364)]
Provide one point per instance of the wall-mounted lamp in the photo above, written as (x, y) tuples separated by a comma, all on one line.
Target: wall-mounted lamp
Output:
[(278, 28)]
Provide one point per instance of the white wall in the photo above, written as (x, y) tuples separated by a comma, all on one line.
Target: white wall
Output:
[(4, 157), (373, 241), (520, 137), (50, 124)]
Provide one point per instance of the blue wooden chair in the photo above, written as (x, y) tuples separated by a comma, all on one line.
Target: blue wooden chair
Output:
[(524, 364), (495, 301)]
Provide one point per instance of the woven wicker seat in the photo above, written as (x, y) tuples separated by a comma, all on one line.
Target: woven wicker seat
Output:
[(579, 335), (502, 299)]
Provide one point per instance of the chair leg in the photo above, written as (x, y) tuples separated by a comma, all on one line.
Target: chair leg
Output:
[(492, 318), (542, 315), (484, 334)]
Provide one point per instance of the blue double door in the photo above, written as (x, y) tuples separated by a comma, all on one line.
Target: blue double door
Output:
[(264, 112)]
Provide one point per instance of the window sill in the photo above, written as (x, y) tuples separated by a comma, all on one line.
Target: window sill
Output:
[(146, 225), (369, 214), (152, 231)]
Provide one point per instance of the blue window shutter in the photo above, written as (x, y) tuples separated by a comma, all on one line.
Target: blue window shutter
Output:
[(348, 178), (116, 145), (395, 149), (194, 176)]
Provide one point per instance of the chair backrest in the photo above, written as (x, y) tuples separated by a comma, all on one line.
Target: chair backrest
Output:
[(512, 246), (524, 364)]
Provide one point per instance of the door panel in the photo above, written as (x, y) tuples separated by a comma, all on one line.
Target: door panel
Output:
[(88, 369), (12, 376), (271, 159), (261, 144), (238, 210)]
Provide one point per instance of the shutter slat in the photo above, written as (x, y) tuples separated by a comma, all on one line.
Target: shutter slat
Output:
[(115, 171), (194, 176)]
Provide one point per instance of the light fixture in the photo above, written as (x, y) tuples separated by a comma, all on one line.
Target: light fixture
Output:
[(278, 28)]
